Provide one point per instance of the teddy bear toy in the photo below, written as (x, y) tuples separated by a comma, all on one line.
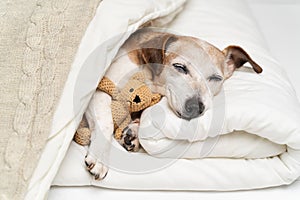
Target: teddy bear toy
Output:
[(135, 96)]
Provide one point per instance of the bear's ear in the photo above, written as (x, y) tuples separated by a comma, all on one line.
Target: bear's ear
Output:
[(155, 99), (153, 52), (107, 86)]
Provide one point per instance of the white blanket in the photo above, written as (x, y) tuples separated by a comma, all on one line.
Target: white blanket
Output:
[(262, 110), (113, 23)]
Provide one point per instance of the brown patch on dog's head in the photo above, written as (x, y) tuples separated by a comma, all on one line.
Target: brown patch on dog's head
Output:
[(153, 52), (236, 57), (134, 56)]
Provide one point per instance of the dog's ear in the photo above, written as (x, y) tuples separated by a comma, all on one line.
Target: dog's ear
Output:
[(236, 57), (153, 52)]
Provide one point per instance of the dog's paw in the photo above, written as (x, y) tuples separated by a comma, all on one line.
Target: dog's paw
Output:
[(130, 140), (96, 168)]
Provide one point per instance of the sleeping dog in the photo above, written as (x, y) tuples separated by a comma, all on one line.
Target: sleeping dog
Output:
[(187, 70)]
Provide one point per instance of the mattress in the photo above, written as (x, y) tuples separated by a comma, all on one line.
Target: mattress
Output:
[(77, 192)]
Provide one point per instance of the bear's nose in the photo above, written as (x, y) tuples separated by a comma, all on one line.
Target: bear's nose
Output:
[(137, 99)]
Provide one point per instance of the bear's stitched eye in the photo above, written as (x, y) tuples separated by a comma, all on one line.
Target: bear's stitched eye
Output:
[(181, 68), (131, 90), (215, 77)]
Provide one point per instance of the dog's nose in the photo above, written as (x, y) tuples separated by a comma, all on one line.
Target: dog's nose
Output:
[(193, 108)]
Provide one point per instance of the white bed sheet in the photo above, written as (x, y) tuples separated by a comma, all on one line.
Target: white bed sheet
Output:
[(283, 43)]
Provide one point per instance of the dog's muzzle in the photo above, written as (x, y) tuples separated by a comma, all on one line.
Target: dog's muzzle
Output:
[(193, 108)]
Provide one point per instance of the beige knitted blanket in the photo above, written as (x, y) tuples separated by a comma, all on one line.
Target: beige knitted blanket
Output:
[(38, 41)]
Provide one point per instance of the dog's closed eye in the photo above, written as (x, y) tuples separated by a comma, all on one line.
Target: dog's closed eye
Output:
[(181, 68), (215, 77)]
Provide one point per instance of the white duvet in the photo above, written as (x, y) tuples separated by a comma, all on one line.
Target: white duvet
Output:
[(112, 24), (258, 140)]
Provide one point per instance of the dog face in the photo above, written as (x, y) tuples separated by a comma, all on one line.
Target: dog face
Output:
[(189, 71), (191, 78)]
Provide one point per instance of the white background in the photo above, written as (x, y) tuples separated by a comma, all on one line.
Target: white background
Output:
[(279, 21)]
